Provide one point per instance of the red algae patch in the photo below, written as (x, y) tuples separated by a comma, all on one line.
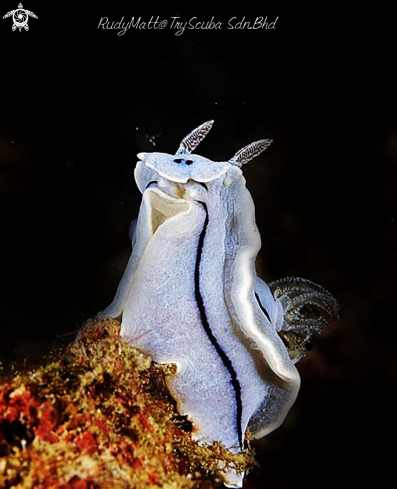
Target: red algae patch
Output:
[(99, 416)]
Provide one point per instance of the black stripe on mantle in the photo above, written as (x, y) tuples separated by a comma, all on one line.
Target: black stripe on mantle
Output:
[(207, 328), (262, 308)]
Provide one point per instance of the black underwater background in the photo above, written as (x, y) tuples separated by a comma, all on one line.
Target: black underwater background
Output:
[(78, 103)]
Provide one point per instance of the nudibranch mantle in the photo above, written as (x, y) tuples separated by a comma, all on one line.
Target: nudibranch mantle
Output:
[(190, 296)]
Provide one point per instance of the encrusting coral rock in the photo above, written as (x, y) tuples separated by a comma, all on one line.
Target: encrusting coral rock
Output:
[(99, 416)]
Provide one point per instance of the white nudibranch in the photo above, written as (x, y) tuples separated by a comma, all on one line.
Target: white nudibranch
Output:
[(190, 296)]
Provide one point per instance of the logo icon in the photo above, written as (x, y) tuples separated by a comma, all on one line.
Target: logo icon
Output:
[(20, 16)]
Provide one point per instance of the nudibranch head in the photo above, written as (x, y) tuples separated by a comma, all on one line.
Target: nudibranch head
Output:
[(181, 168), (184, 165)]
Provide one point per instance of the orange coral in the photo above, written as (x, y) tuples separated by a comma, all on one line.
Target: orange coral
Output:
[(99, 417)]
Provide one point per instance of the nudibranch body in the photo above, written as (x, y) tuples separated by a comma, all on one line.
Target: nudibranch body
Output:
[(190, 296)]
